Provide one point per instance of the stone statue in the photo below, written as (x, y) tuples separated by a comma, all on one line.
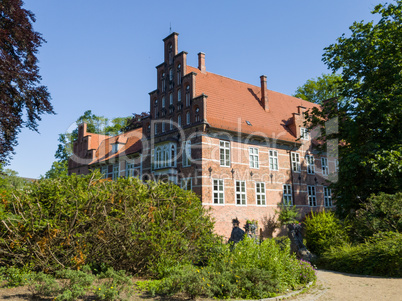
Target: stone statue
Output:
[(296, 243)]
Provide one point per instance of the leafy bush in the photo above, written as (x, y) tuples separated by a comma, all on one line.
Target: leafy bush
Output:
[(381, 213), (250, 271), (14, 277), (287, 215), (379, 255), (123, 224), (323, 230)]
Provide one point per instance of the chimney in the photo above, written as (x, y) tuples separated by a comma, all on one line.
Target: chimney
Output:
[(201, 62), (264, 94)]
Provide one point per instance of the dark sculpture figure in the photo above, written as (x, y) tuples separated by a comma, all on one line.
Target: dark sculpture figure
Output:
[(237, 233), (296, 243)]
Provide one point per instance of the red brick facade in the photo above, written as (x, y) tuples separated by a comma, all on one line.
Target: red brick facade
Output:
[(245, 153)]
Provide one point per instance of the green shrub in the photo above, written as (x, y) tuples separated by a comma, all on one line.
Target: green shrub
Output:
[(14, 277), (323, 230), (381, 213), (250, 271), (287, 214), (44, 285), (379, 255), (123, 224)]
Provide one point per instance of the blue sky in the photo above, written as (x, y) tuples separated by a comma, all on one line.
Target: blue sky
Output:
[(101, 55)]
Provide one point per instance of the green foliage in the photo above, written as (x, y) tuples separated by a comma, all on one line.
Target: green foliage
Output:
[(15, 276), (323, 230), (381, 213), (9, 180), (287, 214), (370, 62), (58, 169), (43, 284), (249, 271), (320, 89), (124, 224), (380, 255)]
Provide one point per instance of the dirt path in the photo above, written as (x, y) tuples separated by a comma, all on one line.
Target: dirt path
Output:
[(330, 286), (333, 286)]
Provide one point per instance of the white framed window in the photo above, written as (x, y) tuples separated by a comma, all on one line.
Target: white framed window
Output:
[(312, 200), (324, 166), (188, 118), (165, 156), (304, 135), (218, 191), (241, 193), (287, 195), (310, 164), (116, 171), (273, 160), (186, 184), (163, 102), (336, 165), (129, 169), (186, 155), (260, 193), (104, 172), (179, 121), (295, 161), (224, 152), (253, 154), (327, 197)]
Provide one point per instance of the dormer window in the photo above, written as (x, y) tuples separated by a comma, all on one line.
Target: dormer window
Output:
[(115, 148), (178, 74), (304, 135)]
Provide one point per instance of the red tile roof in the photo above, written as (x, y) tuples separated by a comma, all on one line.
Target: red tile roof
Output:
[(231, 103), (131, 143)]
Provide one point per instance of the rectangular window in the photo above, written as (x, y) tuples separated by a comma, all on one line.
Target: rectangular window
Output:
[(217, 191), (104, 171), (170, 124), (188, 118), (129, 169), (240, 193), (273, 160), (304, 135), (287, 195), (253, 154), (163, 127), (115, 173), (224, 153), (186, 155), (327, 197), (295, 162), (310, 164), (324, 166), (186, 184), (312, 200), (260, 193), (156, 128)]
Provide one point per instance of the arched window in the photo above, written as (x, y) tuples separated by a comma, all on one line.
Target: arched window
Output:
[(165, 157), (197, 114), (156, 108), (163, 82), (171, 99), (179, 120), (158, 157), (170, 50), (188, 118), (178, 95), (187, 96), (170, 74), (178, 74), (173, 155), (163, 101)]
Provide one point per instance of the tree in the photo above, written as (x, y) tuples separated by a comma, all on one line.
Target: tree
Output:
[(322, 88), (20, 91), (369, 122)]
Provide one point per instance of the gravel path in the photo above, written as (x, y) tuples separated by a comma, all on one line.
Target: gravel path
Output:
[(331, 286)]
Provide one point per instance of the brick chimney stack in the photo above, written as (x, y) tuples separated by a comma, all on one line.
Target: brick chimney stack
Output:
[(201, 62), (264, 93)]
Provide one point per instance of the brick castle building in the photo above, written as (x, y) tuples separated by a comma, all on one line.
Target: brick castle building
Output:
[(243, 149)]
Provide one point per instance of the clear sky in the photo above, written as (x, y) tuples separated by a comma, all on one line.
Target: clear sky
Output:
[(101, 55)]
